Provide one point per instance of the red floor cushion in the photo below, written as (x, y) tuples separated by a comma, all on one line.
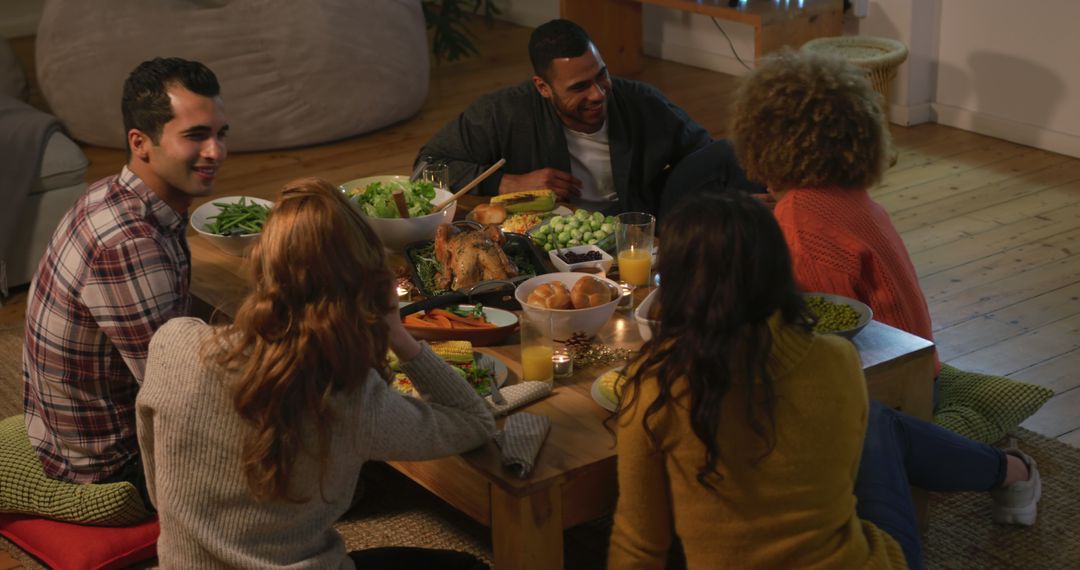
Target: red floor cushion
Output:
[(66, 546)]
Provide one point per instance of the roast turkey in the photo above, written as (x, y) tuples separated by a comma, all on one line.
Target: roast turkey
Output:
[(469, 256)]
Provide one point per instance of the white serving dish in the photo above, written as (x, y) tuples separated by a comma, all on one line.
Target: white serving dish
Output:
[(566, 322), (641, 314), (232, 245), (865, 313), (396, 233), (604, 263)]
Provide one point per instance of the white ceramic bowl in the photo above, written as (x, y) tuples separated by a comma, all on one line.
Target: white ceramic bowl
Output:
[(641, 314), (603, 263), (865, 313), (396, 233), (566, 322), (232, 245)]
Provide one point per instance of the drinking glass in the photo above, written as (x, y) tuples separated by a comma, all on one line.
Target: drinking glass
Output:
[(633, 244), (437, 173), (537, 348)]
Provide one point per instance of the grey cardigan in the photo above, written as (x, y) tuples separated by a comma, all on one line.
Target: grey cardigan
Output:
[(190, 435), (647, 133)]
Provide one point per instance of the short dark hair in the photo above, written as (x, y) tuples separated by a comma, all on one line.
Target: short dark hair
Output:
[(555, 39), (145, 104)]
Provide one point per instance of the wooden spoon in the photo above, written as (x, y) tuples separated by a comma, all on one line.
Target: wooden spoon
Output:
[(470, 185), (399, 200)]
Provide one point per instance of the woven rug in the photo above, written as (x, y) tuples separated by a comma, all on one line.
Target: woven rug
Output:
[(394, 511), (11, 341)]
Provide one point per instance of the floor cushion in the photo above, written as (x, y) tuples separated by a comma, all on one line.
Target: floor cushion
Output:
[(25, 489), (291, 73), (984, 407), (69, 546)]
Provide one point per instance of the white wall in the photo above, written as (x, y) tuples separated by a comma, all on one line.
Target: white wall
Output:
[(1011, 70), (915, 23), (530, 13)]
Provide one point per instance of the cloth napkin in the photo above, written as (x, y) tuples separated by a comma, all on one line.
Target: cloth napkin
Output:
[(518, 395), (520, 440)]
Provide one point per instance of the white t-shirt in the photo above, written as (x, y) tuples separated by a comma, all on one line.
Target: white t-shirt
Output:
[(590, 162)]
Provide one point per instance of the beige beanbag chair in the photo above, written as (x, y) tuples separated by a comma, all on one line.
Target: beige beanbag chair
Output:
[(291, 73)]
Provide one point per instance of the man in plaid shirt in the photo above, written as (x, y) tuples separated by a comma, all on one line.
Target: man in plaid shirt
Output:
[(117, 268)]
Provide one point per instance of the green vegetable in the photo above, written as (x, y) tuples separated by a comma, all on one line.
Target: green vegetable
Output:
[(581, 227), (377, 200), (477, 311), (237, 219), (831, 317)]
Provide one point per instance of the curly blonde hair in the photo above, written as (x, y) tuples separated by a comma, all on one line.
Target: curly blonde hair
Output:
[(804, 120)]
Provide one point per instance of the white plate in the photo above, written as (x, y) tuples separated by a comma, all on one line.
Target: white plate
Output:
[(598, 396), (481, 359)]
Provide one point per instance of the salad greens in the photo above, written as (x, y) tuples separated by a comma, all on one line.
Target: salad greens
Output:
[(377, 199), (237, 219)]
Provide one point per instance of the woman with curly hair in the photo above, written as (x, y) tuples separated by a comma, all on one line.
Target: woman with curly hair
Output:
[(253, 434), (811, 129), (741, 432)]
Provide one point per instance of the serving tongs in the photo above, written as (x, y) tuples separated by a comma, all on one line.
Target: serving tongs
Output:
[(493, 293)]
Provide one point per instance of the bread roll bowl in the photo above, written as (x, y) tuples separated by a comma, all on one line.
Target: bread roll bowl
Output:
[(566, 322)]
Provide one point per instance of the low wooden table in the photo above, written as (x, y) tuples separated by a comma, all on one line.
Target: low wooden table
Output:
[(615, 25), (574, 479)]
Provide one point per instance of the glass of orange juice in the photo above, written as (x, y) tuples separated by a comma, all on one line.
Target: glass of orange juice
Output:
[(633, 242), (537, 348)]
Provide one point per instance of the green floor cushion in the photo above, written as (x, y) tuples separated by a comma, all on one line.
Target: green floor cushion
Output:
[(25, 489), (984, 407)]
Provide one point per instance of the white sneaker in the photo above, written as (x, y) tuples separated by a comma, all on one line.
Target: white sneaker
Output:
[(1016, 504)]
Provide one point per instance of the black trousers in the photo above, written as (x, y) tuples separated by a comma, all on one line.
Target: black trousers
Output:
[(133, 473)]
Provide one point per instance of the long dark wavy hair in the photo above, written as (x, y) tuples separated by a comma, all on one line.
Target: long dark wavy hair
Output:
[(725, 269), (311, 328)]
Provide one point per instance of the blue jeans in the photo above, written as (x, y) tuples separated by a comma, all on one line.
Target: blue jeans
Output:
[(900, 451)]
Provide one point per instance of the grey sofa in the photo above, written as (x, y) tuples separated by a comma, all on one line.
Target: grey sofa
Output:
[(59, 180)]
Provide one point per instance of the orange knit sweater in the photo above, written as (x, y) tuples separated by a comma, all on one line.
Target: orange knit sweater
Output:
[(842, 242)]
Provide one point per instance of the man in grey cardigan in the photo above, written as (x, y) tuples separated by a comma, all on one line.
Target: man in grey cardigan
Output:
[(600, 142)]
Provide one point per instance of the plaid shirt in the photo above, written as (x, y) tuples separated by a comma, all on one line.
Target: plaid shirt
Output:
[(116, 269)]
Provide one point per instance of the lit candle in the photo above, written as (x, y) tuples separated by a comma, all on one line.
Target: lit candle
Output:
[(403, 294), (563, 362)]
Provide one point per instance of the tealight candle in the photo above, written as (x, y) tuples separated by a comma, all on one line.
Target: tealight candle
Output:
[(563, 362), (403, 294)]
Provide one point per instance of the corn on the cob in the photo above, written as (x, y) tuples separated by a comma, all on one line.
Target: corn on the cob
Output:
[(453, 351), (611, 385), (527, 201)]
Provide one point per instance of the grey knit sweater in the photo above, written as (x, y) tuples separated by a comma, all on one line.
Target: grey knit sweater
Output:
[(190, 436)]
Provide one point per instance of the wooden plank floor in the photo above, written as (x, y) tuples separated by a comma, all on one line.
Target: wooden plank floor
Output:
[(993, 227)]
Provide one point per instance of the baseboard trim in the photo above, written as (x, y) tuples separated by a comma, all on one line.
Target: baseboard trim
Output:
[(697, 57), (989, 125), (910, 115)]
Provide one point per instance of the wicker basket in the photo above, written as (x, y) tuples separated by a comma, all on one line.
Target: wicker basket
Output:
[(878, 56)]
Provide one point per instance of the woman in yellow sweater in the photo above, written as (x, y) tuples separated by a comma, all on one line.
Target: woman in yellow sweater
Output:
[(741, 432)]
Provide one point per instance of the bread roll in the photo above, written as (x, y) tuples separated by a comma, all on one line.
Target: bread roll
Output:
[(589, 292), (489, 213), (553, 295)]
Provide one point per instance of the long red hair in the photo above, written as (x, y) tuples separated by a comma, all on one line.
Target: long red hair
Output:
[(311, 327)]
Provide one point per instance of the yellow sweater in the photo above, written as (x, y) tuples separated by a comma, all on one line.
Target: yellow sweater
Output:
[(792, 509)]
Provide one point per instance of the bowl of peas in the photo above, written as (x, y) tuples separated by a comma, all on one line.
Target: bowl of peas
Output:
[(232, 223), (837, 314)]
